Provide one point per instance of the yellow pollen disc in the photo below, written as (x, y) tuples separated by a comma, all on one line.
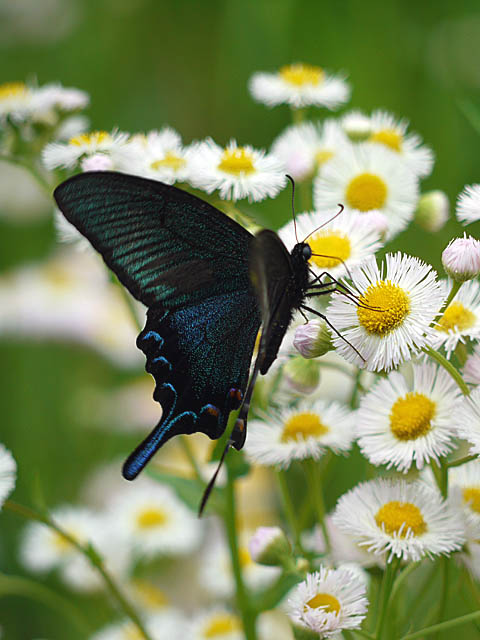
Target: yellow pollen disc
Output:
[(221, 624), (389, 137), (89, 139), (236, 161), (411, 416), (325, 601), (366, 191), (151, 517), (302, 74), (393, 305), (333, 247), (150, 595), (244, 557), (132, 632), (61, 543), (395, 514), (471, 495), (301, 426), (12, 90), (456, 316), (323, 156), (171, 161)]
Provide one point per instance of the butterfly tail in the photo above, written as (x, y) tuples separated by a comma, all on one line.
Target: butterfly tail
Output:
[(137, 460)]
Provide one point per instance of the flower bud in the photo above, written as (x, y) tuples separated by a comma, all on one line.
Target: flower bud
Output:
[(97, 162), (461, 258), (269, 546), (303, 375), (357, 126), (432, 210), (313, 339)]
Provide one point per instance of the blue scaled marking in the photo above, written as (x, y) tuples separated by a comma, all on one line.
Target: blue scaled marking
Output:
[(161, 359), (156, 336)]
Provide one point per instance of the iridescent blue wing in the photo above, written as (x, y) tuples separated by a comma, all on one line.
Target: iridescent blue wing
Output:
[(188, 263)]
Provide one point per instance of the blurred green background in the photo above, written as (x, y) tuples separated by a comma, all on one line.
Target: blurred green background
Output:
[(147, 63)]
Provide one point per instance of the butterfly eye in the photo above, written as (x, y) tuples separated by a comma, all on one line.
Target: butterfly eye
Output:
[(306, 252)]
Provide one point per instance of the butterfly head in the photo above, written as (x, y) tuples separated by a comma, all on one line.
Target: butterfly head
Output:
[(302, 252)]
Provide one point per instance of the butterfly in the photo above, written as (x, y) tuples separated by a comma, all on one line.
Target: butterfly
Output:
[(208, 285)]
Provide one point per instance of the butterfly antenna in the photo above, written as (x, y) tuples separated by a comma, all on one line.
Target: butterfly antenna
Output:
[(327, 222), (211, 484), (293, 205)]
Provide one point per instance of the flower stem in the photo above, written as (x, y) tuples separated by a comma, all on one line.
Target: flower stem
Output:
[(243, 601), (314, 479), (443, 626), (291, 517), (449, 368), (459, 461), (385, 595), (90, 553), (453, 292)]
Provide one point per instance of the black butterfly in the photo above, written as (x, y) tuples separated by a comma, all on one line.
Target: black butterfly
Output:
[(208, 284)]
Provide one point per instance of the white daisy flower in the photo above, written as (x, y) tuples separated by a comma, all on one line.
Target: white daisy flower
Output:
[(368, 178), (468, 204), (391, 132), (299, 85), (471, 558), (409, 520), (67, 155), (147, 596), (403, 421), (348, 240), (461, 258), (305, 431), (467, 420), (407, 295), (274, 625), (71, 127), (16, 101), (306, 148), (158, 155), (461, 319), (216, 623), (8, 471), (62, 98), (464, 484), (237, 172), (356, 125), (471, 370), (164, 625), (328, 601), (155, 521)]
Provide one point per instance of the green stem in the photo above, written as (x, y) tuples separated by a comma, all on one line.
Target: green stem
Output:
[(385, 595), (314, 479), (20, 586), (443, 626), (90, 553), (453, 292), (185, 444), (288, 508), (243, 601), (298, 115), (440, 473), (459, 461), (402, 576), (363, 634), (444, 592), (449, 368)]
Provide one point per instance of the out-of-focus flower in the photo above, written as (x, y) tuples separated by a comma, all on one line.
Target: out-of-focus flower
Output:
[(401, 423), (154, 521), (8, 471), (346, 240), (274, 625), (466, 419), (22, 200), (158, 155), (328, 601), (215, 624), (69, 297), (464, 484), (461, 319), (392, 322), (468, 204), (160, 626), (85, 145), (313, 339), (405, 519), (357, 126), (306, 148), (269, 545), (432, 211), (471, 370), (299, 85), (237, 172), (302, 432), (461, 258)]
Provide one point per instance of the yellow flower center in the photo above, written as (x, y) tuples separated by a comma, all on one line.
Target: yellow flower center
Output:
[(322, 156), (302, 74), (325, 601), (244, 557), (366, 191), (151, 517), (332, 246), (389, 304), (301, 426), (221, 624), (171, 161), (237, 161), (411, 416), (456, 316), (471, 495), (394, 515), (12, 90), (132, 632), (389, 137), (90, 139), (61, 543), (150, 595)]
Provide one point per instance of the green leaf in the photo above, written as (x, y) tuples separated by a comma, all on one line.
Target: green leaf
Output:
[(190, 491)]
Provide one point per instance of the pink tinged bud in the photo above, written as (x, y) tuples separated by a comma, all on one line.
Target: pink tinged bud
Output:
[(312, 339), (97, 162), (299, 166), (461, 259), (269, 546)]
